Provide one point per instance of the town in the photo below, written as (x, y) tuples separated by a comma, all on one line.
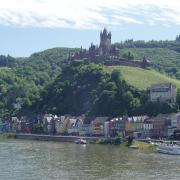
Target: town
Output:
[(161, 126), (89, 90), (141, 126)]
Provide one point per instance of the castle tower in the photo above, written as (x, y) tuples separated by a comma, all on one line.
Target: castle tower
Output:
[(105, 42)]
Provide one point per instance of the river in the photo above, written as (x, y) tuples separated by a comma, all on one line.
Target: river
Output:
[(35, 160)]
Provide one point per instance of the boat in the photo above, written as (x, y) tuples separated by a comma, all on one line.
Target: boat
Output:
[(133, 147), (173, 149), (80, 141)]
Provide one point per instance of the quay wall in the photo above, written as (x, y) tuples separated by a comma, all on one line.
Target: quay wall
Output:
[(59, 138), (56, 138)]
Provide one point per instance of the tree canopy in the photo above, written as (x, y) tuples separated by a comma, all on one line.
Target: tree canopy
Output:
[(48, 82)]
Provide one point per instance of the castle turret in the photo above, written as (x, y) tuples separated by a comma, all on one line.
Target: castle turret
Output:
[(105, 42), (145, 62)]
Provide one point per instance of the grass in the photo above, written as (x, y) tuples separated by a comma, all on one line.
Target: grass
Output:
[(163, 59), (142, 78), (142, 145), (7, 136)]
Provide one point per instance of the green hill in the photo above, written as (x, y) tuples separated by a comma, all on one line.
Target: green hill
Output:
[(162, 59), (142, 78), (50, 61)]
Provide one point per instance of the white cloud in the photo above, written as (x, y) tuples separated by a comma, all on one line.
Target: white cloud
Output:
[(88, 13)]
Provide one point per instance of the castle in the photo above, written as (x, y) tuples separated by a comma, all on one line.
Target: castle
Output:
[(106, 54)]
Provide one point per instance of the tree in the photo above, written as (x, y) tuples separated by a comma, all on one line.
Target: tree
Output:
[(129, 55)]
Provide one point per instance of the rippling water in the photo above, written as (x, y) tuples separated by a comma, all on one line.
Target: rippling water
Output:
[(34, 160)]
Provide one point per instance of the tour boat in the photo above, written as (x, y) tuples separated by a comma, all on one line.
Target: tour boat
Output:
[(169, 149), (80, 141)]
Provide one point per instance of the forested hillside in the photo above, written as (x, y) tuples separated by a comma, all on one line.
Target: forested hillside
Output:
[(48, 82), (89, 89), (49, 61), (22, 80), (168, 44)]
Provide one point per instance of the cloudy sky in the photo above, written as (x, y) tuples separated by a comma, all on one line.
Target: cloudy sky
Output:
[(28, 26)]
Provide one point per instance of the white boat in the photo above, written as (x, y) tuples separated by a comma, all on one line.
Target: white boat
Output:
[(80, 141), (133, 147), (169, 149)]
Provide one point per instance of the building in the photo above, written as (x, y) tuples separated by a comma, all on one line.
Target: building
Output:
[(161, 125), (63, 129), (165, 92), (58, 126), (74, 126), (164, 125), (174, 123), (135, 125), (105, 42), (106, 53), (116, 127), (48, 124), (106, 129), (97, 126), (85, 130), (147, 128), (178, 121)]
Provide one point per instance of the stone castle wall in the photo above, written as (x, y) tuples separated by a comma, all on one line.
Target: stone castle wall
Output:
[(123, 63), (106, 54)]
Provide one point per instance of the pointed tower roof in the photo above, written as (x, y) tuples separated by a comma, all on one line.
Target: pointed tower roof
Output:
[(105, 31)]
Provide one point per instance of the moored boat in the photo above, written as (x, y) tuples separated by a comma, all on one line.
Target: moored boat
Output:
[(80, 141), (133, 147), (169, 149)]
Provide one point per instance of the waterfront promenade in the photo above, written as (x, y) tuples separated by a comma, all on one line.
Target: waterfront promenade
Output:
[(61, 138), (57, 138)]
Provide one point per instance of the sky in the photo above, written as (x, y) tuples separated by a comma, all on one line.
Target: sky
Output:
[(28, 26)]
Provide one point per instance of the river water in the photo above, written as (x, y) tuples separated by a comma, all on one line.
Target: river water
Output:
[(35, 160)]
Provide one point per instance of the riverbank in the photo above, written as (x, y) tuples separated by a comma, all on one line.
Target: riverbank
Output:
[(143, 145), (57, 138), (94, 140), (7, 136)]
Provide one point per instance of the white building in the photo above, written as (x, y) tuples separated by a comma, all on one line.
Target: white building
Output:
[(163, 92), (74, 126), (147, 128)]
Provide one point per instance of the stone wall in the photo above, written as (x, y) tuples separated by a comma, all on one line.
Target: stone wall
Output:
[(56, 138), (123, 63)]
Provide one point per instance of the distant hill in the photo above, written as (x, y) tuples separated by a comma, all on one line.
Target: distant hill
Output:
[(165, 63), (142, 78), (162, 59), (49, 61)]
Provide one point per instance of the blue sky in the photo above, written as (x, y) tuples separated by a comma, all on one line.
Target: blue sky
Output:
[(28, 26)]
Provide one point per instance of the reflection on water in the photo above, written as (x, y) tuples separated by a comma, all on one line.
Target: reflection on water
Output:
[(34, 160)]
